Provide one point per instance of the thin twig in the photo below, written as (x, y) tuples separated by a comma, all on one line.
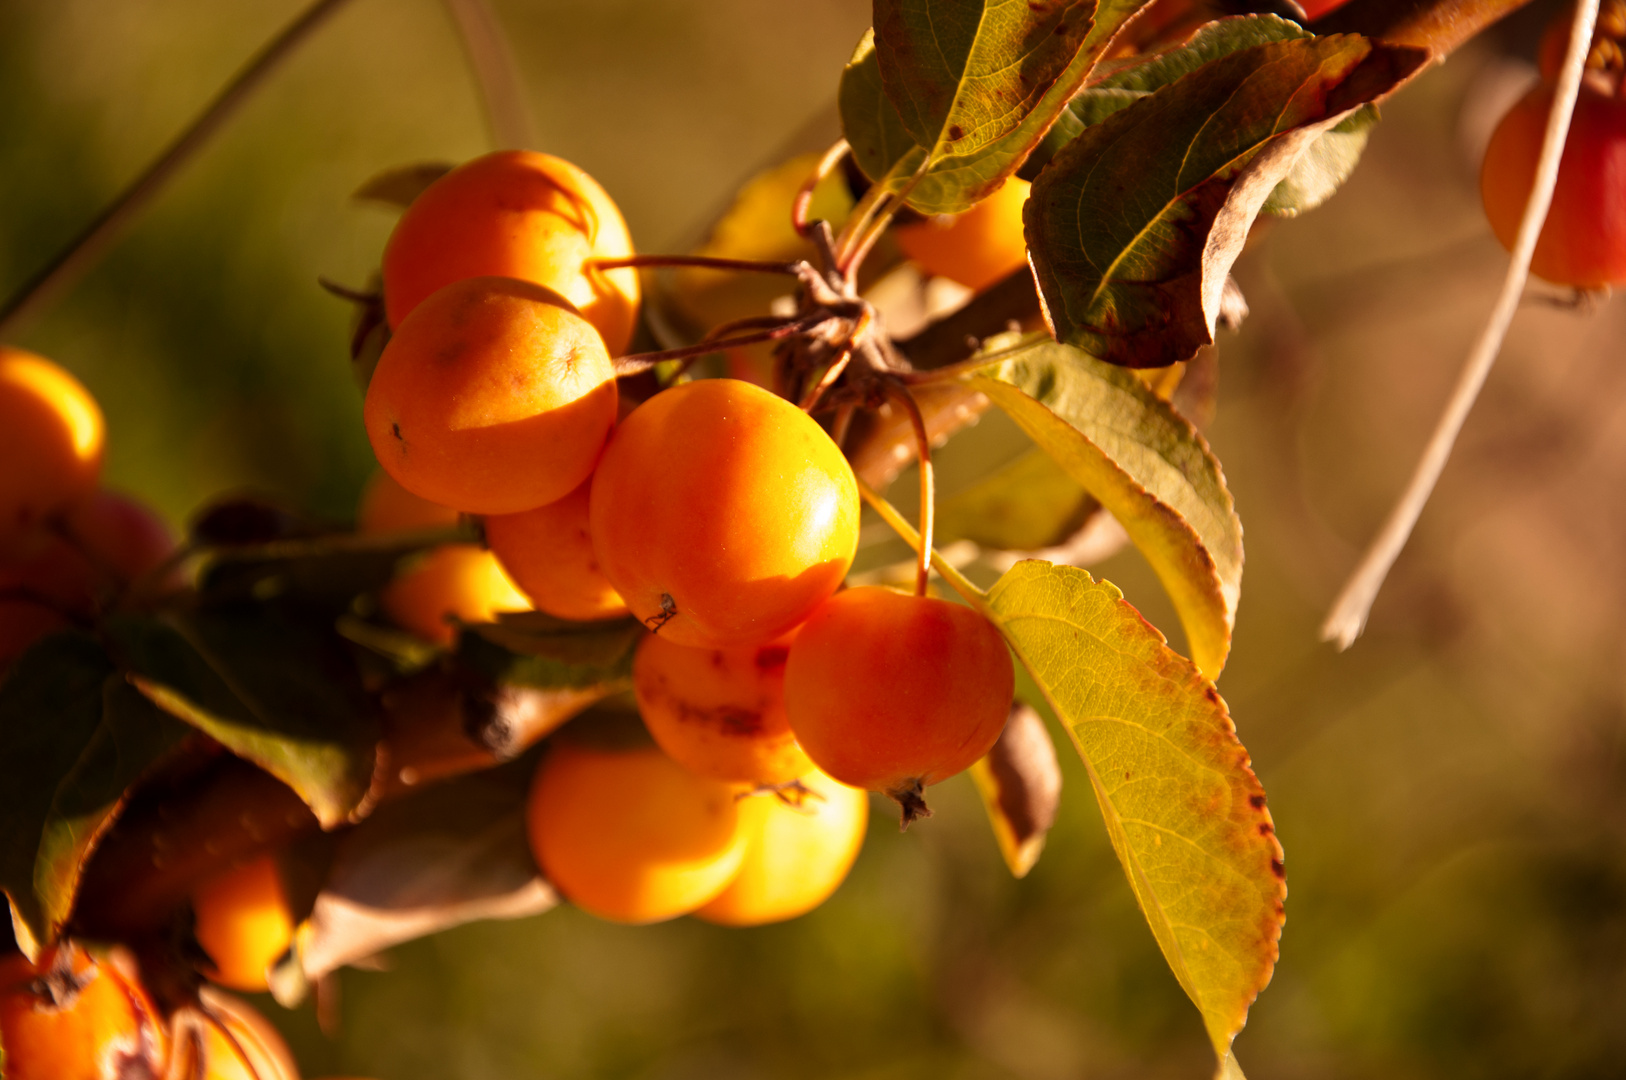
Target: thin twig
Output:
[(795, 267), (633, 363), (502, 91), (1349, 612), (900, 525), (84, 250), (976, 363), (923, 446), (804, 195), (811, 400)]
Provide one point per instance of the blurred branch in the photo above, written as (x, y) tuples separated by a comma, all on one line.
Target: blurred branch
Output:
[(502, 91), (84, 250), (1349, 612)]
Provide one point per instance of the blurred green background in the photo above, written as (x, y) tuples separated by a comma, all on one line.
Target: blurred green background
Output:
[(1451, 792)]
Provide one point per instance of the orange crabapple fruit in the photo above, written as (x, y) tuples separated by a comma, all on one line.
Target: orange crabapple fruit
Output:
[(493, 396), (975, 248), (50, 423), (518, 214), (548, 552), (894, 692), (719, 712), (799, 856), (243, 921), (456, 581), (722, 514), (629, 835), (73, 1016)]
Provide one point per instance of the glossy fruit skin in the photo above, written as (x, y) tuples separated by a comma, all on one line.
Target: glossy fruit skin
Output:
[(976, 248), (91, 1021), (517, 214), (50, 421), (243, 922), (799, 857), (719, 712), (723, 514), (885, 690), (1583, 242), (458, 581), (548, 552), (491, 397), (630, 835)]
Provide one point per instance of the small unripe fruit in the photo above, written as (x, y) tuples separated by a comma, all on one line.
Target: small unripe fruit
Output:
[(493, 397)]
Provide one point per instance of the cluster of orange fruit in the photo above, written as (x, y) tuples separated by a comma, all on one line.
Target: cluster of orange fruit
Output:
[(720, 515)]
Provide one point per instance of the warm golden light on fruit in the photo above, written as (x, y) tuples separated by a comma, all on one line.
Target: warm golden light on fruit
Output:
[(630, 835), (719, 712), (799, 857), (51, 437), (517, 214), (491, 397), (75, 1017), (893, 692), (222, 1038), (461, 582), (243, 922), (548, 552), (976, 248), (723, 514)]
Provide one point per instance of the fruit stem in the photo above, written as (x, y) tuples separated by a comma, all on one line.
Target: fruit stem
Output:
[(804, 195), (945, 569), (502, 90), (795, 268), (633, 363), (923, 446), (1347, 618), (975, 364), (85, 249)]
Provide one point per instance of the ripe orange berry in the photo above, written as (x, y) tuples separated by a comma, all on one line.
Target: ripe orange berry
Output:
[(1583, 242), (492, 397), (719, 712), (222, 1038), (549, 553), (51, 437), (458, 581), (243, 922), (798, 859), (630, 835), (975, 248), (893, 692), (76, 1017), (516, 214), (723, 514)]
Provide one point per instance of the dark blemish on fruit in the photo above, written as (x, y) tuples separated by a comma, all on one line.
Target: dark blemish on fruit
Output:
[(771, 656), (1265, 828), (668, 613), (1256, 801), (395, 429), (1277, 868)]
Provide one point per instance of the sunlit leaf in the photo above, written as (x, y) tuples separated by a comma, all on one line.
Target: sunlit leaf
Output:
[(1020, 784), (277, 693), (1147, 465), (1184, 811), (1029, 503), (1133, 227), (948, 98)]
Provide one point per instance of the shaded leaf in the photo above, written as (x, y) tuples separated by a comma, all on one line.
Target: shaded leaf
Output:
[(1184, 811), (882, 441), (1020, 783), (1029, 503), (947, 99), (1147, 465), (401, 185), (280, 694), (1439, 26), (1133, 227), (425, 863)]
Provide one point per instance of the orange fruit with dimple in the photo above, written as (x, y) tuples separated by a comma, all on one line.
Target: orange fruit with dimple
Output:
[(77, 1017), (455, 581), (629, 835), (243, 921), (492, 397), (975, 248), (51, 442), (548, 552), (518, 214), (799, 856), (723, 514), (719, 712), (893, 692)]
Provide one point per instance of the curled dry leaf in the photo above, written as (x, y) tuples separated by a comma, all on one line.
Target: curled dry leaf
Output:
[(1020, 783)]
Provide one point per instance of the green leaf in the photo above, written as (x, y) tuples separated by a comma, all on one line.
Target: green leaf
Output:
[(1135, 224), (1028, 503), (535, 649), (279, 693), (1324, 167), (1147, 465), (947, 98), (329, 570), (1184, 811), (401, 185)]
